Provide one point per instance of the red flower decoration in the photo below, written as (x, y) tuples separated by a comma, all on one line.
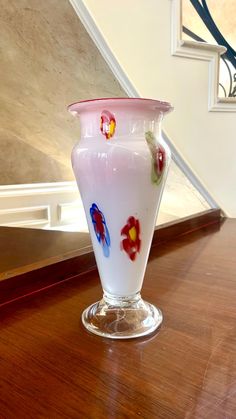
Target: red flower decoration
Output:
[(160, 160), (132, 243), (107, 124)]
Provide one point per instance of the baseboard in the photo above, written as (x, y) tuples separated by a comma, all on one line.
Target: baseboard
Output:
[(75, 257)]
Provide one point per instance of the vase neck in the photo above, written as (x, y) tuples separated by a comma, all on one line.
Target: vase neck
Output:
[(119, 123)]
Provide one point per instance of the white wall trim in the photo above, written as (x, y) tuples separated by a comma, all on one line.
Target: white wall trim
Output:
[(200, 51), (69, 211), (25, 216), (131, 91), (48, 205), (37, 189)]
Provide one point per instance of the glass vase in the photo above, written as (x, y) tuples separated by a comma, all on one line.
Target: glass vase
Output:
[(120, 165)]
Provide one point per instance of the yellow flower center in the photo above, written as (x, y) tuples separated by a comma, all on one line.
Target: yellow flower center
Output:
[(111, 129), (133, 234)]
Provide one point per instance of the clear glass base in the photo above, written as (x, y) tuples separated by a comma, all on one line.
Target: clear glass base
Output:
[(122, 317)]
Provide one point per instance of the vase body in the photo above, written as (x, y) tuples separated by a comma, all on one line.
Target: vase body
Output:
[(121, 164)]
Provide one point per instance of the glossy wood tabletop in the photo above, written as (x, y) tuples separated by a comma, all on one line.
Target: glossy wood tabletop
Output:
[(23, 250), (50, 367), (26, 249)]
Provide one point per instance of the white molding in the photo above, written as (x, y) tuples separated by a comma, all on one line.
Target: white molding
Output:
[(200, 51), (69, 211), (31, 215), (131, 91), (37, 189), (222, 105), (37, 204), (40, 223)]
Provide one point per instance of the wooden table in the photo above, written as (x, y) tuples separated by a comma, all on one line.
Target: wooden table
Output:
[(50, 367)]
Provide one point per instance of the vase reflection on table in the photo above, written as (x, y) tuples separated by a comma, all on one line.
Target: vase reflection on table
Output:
[(121, 164)]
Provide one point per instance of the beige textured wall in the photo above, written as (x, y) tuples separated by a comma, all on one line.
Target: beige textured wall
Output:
[(47, 61)]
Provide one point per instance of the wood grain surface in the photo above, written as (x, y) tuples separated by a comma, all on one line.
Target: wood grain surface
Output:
[(50, 367), (31, 260), (23, 250)]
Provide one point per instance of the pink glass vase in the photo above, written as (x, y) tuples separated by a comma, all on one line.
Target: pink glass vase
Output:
[(121, 164)]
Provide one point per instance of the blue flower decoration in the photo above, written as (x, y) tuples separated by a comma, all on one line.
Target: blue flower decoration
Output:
[(100, 228)]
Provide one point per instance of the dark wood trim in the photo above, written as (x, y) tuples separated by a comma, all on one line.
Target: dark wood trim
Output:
[(24, 250), (169, 231), (77, 262)]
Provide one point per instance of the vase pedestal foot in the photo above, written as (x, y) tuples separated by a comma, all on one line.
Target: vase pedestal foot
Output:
[(122, 317)]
